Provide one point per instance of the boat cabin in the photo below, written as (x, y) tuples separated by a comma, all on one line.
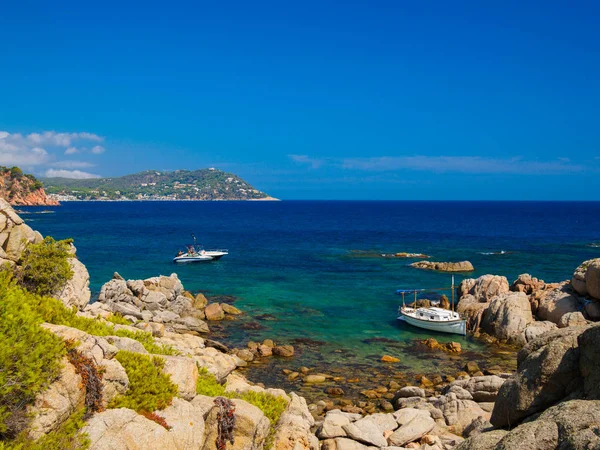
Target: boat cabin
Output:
[(434, 314)]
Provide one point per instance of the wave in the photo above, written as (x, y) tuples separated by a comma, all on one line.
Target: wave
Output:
[(501, 252), (594, 244)]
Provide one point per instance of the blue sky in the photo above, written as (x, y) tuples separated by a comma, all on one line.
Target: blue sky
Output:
[(311, 100)]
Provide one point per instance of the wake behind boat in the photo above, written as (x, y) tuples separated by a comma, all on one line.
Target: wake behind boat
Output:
[(432, 318)]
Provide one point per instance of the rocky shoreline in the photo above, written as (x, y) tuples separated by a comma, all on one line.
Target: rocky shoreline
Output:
[(551, 401)]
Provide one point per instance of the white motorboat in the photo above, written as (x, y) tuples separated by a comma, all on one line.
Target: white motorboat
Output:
[(434, 319), (193, 254)]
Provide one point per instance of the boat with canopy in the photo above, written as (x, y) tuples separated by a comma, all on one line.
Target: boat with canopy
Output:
[(431, 318)]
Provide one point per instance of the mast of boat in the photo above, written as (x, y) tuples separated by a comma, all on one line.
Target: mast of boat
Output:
[(452, 293)]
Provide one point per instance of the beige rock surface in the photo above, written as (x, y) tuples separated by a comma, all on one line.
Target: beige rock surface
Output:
[(54, 405)]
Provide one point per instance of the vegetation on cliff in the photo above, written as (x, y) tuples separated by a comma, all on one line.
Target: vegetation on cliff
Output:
[(45, 268), (149, 388), (29, 355), (203, 184), (270, 405), (19, 188)]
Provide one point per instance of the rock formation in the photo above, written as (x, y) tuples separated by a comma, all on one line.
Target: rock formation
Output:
[(553, 401), (462, 266)]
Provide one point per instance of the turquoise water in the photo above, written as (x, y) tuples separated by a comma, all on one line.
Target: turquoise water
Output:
[(311, 269)]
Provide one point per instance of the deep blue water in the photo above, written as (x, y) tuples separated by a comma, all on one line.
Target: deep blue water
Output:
[(296, 260)]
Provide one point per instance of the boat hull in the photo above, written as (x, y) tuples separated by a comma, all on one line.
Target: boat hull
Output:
[(453, 327), (191, 259)]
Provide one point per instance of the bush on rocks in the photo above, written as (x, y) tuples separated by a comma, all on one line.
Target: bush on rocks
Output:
[(45, 267), (54, 311), (272, 406), (149, 388), (29, 356)]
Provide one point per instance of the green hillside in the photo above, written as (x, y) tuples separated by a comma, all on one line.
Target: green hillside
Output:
[(203, 184)]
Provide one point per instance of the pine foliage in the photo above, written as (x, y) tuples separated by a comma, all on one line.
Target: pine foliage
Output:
[(149, 388), (45, 268), (29, 355)]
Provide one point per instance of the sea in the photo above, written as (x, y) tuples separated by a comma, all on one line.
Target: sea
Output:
[(312, 273)]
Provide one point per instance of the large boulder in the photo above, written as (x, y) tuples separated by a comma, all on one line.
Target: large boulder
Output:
[(484, 288), (187, 423), (250, 431), (527, 284), (573, 424), (548, 371), (214, 311), (482, 389), (183, 373), (77, 290), (54, 405), (483, 441), (558, 302), (589, 361), (459, 413), (333, 426), (507, 317), (586, 278), (592, 279), (124, 429), (293, 429), (535, 329), (18, 238), (412, 425), (472, 309), (572, 319)]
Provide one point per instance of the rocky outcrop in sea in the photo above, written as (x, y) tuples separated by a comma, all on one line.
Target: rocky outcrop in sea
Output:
[(461, 266)]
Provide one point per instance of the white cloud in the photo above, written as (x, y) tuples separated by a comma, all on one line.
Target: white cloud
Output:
[(70, 164), (304, 159), (13, 152), (52, 138), (76, 174), (37, 151), (461, 164), (446, 164)]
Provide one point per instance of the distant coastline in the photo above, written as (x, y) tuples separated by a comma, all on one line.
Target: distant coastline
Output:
[(62, 199)]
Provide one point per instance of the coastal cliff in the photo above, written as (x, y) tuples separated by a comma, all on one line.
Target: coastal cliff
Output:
[(21, 189)]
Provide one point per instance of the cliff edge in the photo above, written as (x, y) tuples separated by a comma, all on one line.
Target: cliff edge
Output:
[(21, 189)]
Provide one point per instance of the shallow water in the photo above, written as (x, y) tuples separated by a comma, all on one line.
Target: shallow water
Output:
[(312, 269)]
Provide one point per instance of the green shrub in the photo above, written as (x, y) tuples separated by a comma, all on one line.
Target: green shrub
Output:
[(149, 388), (118, 319), (54, 311), (147, 341), (45, 267), (29, 355), (270, 405), (65, 437), (207, 384)]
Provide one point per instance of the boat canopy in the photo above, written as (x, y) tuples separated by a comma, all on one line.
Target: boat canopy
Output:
[(409, 291)]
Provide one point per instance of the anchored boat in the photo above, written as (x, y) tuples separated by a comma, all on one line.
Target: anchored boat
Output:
[(195, 253), (432, 318)]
